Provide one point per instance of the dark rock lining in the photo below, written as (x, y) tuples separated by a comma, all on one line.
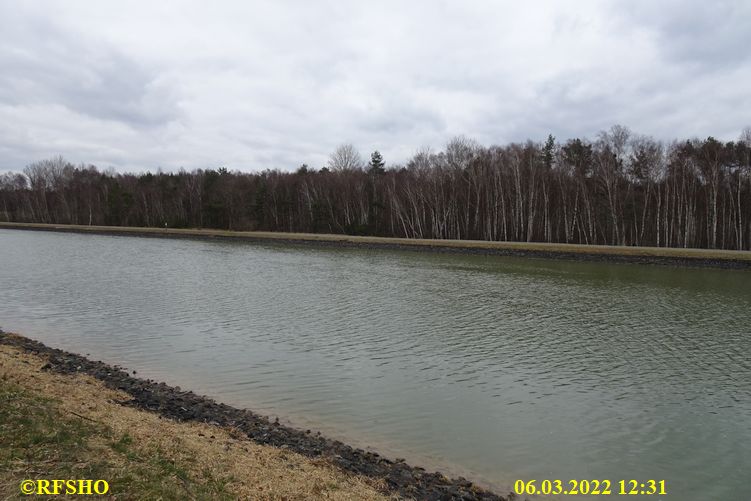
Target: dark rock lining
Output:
[(401, 478), (676, 261)]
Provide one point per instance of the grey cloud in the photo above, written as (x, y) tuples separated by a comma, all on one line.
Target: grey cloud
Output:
[(55, 67), (273, 84), (704, 34)]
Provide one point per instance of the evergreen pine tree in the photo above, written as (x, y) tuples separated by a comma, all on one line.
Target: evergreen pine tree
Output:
[(376, 165)]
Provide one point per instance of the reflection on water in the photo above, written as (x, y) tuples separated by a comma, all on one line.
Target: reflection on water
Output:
[(503, 367)]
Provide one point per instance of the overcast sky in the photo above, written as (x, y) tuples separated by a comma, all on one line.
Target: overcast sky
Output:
[(252, 85)]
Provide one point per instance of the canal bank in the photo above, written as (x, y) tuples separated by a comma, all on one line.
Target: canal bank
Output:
[(345, 471), (713, 258)]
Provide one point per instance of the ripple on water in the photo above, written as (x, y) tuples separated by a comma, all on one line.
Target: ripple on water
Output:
[(509, 368)]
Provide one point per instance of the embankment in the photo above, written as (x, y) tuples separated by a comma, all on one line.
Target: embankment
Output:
[(644, 255), (290, 463)]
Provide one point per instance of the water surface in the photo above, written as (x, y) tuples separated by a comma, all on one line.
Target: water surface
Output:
[(500, 368)]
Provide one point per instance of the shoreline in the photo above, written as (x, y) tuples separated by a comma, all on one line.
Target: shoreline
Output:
[(173, 403), (666, 256), (68, 426)]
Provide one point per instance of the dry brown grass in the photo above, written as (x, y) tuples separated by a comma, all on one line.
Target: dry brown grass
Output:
[(135, 448), (595, 250)]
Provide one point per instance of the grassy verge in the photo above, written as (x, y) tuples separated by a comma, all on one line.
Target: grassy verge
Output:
[(39, 441), (72, 427), (521, 248)]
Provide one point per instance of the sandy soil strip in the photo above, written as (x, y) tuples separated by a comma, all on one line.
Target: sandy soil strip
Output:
[(650, 255)]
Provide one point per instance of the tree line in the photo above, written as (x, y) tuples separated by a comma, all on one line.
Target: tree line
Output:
[(619, 189)]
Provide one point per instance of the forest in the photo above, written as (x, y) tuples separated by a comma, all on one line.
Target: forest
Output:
[(618, 189)]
